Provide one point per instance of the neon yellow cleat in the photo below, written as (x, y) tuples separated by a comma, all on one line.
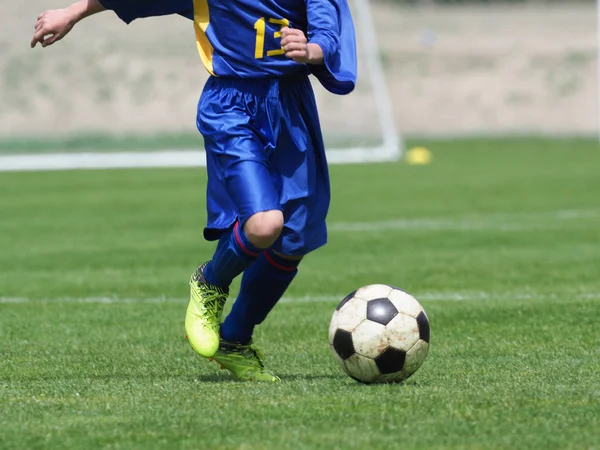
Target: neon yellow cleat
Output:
[(245, 362), (203, 317)]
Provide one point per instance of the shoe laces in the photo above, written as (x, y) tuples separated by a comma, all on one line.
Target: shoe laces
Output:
[(214, 297), (213, 300)]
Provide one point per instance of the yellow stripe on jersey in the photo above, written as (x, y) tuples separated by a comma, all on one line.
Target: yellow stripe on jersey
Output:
[(201, 22)]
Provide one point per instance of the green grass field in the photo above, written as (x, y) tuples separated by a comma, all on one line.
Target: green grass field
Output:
[(499, 240)]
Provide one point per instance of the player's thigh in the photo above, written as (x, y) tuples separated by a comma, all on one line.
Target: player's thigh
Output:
[(236, 156)]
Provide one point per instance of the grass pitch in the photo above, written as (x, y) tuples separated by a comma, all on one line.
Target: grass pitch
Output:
[(499, 240)]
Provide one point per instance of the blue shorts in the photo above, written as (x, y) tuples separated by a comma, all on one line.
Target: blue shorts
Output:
[(264, 151)]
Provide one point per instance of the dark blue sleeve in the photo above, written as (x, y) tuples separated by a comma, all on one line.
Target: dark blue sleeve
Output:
[(330, 25), (129, 10)]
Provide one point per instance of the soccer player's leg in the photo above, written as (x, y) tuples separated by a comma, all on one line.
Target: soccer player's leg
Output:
[(263, 285), (299, 161), (237, 249), (243, 208)]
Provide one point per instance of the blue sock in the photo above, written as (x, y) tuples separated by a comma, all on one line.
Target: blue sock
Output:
[(263, 284), (233, 255)]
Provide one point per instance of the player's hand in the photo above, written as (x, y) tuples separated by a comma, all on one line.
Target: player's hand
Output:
[(52, 26), (295, 44)]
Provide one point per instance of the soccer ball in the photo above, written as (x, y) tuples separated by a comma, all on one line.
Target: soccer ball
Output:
[(379, 334)]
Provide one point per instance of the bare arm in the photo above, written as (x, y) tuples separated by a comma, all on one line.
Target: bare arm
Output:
[(53, 25)]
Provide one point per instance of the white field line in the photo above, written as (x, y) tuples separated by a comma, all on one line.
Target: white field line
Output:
[(91, 160), (162, 159), (426, 296), (492, 221)]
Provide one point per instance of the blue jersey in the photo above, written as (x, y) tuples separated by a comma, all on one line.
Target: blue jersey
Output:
[(241, 38)]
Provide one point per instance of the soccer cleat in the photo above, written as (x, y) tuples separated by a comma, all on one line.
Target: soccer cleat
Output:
[(203, 317), (243, 361)]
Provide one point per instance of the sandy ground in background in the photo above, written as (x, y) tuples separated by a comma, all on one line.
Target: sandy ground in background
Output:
[(457, 70)]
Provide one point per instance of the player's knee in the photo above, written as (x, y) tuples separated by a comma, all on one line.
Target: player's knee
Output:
[(263, 228)]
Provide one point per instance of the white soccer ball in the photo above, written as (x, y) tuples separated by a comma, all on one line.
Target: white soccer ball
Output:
[(379, 334)]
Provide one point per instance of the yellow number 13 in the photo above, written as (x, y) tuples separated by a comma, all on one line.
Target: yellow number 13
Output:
[(260, 27)]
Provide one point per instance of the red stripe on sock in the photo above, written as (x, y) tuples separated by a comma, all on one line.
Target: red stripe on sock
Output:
[(277, 265), (239, 241)]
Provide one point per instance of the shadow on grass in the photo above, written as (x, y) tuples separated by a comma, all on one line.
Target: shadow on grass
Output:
[(215, 378), (224, 377), (309, 377)]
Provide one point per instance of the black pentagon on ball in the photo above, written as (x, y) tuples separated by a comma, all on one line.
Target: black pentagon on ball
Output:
[(391, 360), (346, 300), (342, 343), (381, 310), (423, 327)]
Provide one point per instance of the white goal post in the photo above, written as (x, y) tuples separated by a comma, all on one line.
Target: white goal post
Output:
[(392, 145), (390, 149)]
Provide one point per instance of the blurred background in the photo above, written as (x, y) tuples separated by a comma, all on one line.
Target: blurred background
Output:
[(451, 67)]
